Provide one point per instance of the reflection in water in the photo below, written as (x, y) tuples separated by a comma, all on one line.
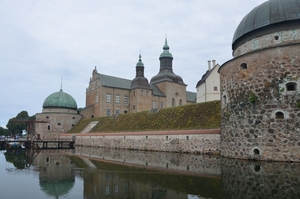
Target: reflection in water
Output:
[(156, 175), (56, 172)]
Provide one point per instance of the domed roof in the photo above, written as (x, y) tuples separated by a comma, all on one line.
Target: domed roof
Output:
[(60, 100), (266, 18), (166, 52)]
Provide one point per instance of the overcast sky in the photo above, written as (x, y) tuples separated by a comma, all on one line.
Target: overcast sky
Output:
[(44, 41)]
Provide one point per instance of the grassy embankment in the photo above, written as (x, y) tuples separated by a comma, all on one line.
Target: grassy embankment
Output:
[(193, 116)]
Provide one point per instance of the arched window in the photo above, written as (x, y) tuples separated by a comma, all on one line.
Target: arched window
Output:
[(291, 86), (256, 151), (173, 102), (243, 66), (279, 115), (180, 102)]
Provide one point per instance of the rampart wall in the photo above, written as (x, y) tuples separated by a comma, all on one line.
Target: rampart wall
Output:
[(181, 141)]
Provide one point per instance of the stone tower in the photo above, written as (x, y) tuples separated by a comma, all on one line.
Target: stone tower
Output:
[(167, 81), (140, 91), (260, 86)]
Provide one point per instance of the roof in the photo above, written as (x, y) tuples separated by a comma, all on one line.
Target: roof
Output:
[(206, 75), (191, 96), (60, 100), (270, 13), (115, 82), (157, 91)]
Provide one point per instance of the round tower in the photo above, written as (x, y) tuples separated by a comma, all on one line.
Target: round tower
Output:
[(260, 86)]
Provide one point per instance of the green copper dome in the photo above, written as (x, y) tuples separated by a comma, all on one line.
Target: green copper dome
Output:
[(166, 52), (60, 100)]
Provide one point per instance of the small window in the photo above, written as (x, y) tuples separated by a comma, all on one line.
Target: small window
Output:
[(125, 100), (224, 99), (215, 88), (58, 124), (133, 93), (117, 111), (73, 118), (125, 111), (256, 152), (291, 86), (279, 115), (48, 127), (161, 104), (117, 99), (147, 93), (180, 102), (97, 97), (276, 37), (153, 104), (47, 117), (108, 112), (173, 102), (108, 98), (47, 159), (133, 107), (92, 116), (243, 66), (142, 92)]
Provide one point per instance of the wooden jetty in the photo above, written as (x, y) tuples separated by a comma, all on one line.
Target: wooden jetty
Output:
[(41, 144)]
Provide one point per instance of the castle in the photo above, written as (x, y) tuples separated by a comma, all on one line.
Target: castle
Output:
[(260, 87)]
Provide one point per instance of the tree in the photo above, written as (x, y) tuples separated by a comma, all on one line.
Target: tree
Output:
[(17, 127), (3, 131)]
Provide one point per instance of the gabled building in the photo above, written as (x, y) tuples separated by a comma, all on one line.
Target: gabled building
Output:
[(109, 95), (208, 87)]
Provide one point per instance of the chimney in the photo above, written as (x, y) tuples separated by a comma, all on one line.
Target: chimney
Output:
[(213, 63), (209, 66)]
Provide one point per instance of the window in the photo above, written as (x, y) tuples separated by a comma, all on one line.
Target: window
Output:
[(125, 100), (215, 88), (279, 115), (153, 104), (117, 111), (108, 98), (224, 99), (58, 124), (180, 102), (108, 112), (125, 111), (243, 66), (142, 92), (48, 127), (147, 93), (161, 104), (73, 118), (291, 86), (117, 99), (133, 93), (133, 107), (173, 102), (97, 97)]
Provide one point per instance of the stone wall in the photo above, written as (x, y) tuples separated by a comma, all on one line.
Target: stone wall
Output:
[(186, 141), (260, 105)]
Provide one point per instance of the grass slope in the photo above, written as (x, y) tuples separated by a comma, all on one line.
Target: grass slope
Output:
[(193, 116)]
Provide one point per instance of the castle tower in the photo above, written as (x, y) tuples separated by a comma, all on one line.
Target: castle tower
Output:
[(167, 81), (140, 91), (260, 86)]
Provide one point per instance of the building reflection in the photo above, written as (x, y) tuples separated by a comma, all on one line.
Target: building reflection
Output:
[(56, 172)]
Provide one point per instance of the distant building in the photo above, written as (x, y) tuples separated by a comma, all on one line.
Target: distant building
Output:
[(208, 87), (108, 95)]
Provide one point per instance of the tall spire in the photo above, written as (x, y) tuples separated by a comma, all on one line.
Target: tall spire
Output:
[(61, 80)]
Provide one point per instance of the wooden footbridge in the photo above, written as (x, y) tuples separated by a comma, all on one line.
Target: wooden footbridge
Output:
[(33, 139)]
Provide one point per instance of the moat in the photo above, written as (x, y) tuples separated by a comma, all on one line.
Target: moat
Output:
[(88, 173)]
